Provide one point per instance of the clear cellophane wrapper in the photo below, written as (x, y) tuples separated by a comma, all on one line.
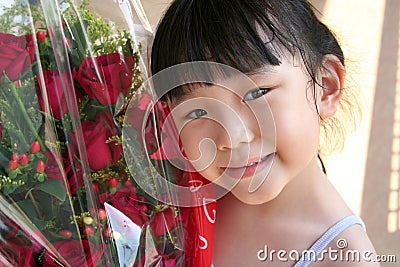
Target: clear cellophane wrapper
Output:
[(77, 175)]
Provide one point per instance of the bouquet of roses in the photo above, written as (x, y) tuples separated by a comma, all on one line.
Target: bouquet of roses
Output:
[(67, 196)]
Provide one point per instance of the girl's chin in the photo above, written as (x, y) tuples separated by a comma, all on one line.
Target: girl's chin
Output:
[(266, 192), (257, 197), (267, 188)]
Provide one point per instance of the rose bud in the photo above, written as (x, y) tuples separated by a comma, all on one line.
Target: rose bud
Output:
[(40, 166), (35, 147), (13, 165), (65, 233), (102, 214), (88, 230), (23, 160), (14, 157), (113, 182), (41, 36)]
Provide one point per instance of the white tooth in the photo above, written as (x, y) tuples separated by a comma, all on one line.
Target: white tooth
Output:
[(251, 164), (255, 162)]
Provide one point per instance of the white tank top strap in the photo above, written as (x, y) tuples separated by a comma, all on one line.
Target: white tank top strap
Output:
[(313, 252)]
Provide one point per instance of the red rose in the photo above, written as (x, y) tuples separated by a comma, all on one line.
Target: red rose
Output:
[(136, 111), (80, 253), (74, 174), (169, 134), (16, 54), (126, 201), (106, 77), (53, 89), (163, 222), (168, 262), (135, 116), (53, 169), (100, 153), (56, 170)]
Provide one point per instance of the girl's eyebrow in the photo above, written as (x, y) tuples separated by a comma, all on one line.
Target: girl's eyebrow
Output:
[(262, 71), (189, 91), (182, 97)]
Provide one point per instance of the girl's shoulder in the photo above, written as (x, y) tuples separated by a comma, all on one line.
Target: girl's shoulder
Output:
[(349, 247)]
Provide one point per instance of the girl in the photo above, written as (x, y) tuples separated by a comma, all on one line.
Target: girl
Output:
[(259, 139)]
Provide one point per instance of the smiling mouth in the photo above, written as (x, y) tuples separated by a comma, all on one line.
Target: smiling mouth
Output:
[(256, 162), (250, 169)]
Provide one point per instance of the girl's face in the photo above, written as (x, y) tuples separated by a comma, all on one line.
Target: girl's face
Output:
[(251, 138)]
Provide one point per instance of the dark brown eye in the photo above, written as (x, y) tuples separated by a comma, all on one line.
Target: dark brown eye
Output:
[(195, 114), (256, 93)]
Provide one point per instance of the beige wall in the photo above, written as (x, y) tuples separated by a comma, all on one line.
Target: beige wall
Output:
[(154, 9)]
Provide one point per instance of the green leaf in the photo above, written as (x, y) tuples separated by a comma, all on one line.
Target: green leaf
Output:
[(4, 156), (78, 43), (53, 187), (9, 189), (40, 224), (13, 174), (28, 208), (47, 206), (20, 113)]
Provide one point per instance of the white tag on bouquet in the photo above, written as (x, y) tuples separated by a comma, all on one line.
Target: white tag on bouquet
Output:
[(126, 235)]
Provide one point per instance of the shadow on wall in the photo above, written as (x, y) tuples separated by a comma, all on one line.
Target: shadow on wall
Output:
[(381, 192)]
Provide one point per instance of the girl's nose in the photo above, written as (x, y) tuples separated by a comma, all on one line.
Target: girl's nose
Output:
[(238, 126)]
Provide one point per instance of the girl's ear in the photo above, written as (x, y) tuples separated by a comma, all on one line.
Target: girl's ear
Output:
[(332, 79)]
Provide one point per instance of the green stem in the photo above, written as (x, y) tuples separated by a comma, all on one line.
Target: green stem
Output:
[(25, 115), (35, 204)]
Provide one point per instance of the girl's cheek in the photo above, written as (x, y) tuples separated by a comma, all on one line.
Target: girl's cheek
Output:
[(188, 143), (191, 140)]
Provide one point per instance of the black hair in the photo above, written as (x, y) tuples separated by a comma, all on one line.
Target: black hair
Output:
[(248, 35), (245, 35)]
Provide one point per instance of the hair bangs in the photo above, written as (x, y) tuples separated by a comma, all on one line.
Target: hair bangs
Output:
[(246, 40)]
